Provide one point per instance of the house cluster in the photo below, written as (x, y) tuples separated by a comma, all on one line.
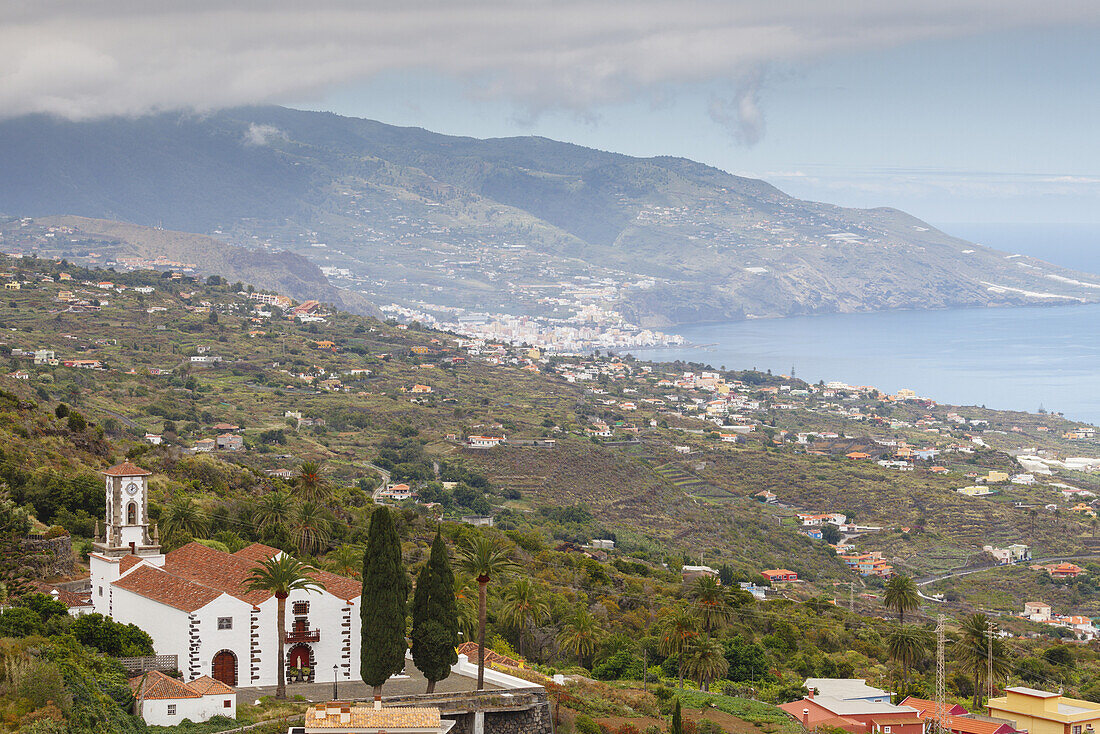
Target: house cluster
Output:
[(1063, 570), (1040, 612), (228, 438), (869, 564), (855, 707), (1014, 553)]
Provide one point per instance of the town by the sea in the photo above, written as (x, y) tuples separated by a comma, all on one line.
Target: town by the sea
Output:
[(1004, 358)]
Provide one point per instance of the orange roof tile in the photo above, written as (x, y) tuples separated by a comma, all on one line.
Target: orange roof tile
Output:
[(158, 585), (127, 469), (204, 685), (157, 685), (257, 552), (128, 562)]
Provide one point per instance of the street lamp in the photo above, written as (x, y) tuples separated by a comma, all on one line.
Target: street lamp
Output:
[(335, 689)]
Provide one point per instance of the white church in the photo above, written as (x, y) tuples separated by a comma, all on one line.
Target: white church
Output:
[(194, 603)]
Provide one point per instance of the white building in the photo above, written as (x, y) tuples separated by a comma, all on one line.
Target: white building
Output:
[(164, 701), (194, 603)]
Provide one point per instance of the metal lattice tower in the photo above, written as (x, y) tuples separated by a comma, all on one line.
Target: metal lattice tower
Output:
[(941, 683), (851, 596)]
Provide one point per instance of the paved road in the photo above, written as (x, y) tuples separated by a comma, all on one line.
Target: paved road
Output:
[(385, 481), (924, 581)]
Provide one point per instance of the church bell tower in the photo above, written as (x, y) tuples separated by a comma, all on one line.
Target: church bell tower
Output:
[(125, 533)]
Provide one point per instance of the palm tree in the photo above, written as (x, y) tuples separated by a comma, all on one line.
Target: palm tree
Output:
[(484, 558), (273, 511), (280, 576), (523, 605), (677, 629), (467, 606), (973, 652), (901, 594), (309, 528), (183, 515), (711, 604), (346, 560), (908, 644), (705, 660), (310, 484), (580, 635)]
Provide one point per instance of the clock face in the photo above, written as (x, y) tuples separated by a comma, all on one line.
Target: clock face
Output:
[(131, 489)]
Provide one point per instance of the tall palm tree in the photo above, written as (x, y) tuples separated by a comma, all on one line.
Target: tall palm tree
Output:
[(705, 660), (973, 652), (711, 604), (581, 635), (484, 558), (523, 605), (310, 484), (901, 595), (183, 515), (465, 598), (908, 644), (678, 628), (280, 576), (309, 528), (346, 560), (273, 511)]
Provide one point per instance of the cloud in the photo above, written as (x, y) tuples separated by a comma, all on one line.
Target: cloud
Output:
[(262, 134), (742, 115), (90, 58)]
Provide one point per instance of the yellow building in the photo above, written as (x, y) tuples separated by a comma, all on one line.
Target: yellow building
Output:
[(996, 476), (1041, 712)]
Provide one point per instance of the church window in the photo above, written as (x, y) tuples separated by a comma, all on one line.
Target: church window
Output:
[(301, 607), (225, 623), (171, 709), (101, 591), (131, 513)]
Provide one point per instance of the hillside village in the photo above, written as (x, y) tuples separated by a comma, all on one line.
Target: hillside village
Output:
[(616, 478)]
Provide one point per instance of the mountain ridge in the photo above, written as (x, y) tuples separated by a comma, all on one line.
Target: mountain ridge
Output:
[(507, 225)]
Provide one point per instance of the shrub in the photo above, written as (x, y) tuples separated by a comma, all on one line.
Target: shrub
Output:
[(585, 724)]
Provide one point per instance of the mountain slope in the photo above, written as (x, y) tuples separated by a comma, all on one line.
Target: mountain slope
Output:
[(430, 220)]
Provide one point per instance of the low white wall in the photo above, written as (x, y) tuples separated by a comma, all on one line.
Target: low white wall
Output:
[(465, 667)]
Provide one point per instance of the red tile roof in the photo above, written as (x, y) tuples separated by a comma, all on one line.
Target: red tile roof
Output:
[(257, 552), (127, 469), (216, 570), (128, 562), (195, 575), (166, 588), (67, 598), (157, 685), (204, 685)]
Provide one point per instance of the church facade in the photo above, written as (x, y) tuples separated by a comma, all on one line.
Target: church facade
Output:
[(194, 603)]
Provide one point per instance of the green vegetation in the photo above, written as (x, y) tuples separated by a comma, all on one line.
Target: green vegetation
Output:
[(385, 591)]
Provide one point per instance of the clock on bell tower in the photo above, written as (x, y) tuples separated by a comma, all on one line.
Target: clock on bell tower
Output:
[(127, 528)]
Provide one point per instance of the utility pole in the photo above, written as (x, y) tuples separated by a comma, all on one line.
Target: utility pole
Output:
[(851, 596), (989, 662), (941, 687), (645, 667)]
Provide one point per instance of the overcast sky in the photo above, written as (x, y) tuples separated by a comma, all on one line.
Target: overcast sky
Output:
[(955, 110)]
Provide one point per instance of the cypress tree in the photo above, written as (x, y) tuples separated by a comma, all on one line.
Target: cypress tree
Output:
[(382, 610), (677, 726), (435, 617)]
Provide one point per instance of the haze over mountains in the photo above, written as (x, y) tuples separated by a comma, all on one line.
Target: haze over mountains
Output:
[(513, 225)]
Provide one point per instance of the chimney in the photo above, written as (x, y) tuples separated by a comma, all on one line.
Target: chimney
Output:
[(378, 702), (806, 718), (811, 696)]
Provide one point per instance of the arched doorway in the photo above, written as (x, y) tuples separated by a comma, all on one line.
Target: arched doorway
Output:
[(300, 658), (224, 668)]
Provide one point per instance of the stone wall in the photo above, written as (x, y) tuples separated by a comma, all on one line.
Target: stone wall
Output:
[(43, 557)]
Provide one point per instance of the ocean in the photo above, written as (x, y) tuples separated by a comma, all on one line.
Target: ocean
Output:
[(1004, 358)]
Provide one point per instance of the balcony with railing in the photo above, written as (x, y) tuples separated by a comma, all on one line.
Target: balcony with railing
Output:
[(303, 635)]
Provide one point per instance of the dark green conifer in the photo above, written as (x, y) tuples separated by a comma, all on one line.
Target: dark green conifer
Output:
[(385, 590), (677, 726), (435, 617)]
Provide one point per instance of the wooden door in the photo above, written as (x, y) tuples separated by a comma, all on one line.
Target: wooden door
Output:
[(225, 668)]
